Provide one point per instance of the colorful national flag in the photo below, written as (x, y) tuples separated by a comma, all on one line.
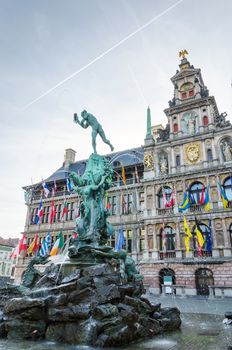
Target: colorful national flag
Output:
[(58, 245), (206, 201), (123, 175), (185, 204), (164, 198), (23, 244), (200, 238), (68, 184), (46, 245), (202, 199), (65, 209), (34, 246), (107, 201), (120, 240), (45, 189), (53, 211), (40, 212), (209, 236), (223, 195), (188, 235)]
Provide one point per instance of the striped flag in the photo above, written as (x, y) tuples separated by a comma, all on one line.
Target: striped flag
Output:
[(40, 212), (34, 246), (137, 175), (46, 245), (107, 202), (45, 189), (58, 245), (68, 184)]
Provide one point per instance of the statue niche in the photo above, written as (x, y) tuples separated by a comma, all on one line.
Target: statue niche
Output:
[(226, 149), (189, 123), (163, 163)]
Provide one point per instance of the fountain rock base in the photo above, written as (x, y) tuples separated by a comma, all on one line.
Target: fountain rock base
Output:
[(90, 305)]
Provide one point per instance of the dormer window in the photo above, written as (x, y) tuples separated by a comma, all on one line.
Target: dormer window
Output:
[(191, 93), (184, 95)]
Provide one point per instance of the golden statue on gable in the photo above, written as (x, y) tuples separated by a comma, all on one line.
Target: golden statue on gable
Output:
[(183, 53)]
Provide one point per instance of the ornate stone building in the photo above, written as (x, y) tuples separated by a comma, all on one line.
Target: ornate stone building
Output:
[(190, 155)]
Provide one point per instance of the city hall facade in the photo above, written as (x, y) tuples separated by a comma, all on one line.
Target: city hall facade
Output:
[(191, 154)]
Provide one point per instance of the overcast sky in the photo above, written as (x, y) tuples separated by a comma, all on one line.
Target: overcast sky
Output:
[(44, 42)]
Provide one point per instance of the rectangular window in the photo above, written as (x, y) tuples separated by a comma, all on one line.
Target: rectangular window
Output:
[(127, 205), (177, 160), (184, 95), (129, 241), (46, 215), (150, 242), (58, 214), (113, 205)]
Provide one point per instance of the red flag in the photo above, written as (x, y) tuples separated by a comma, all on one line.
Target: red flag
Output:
[(23, 244), (108, 205), (53, 211), (34, 246), (202, 199), (65, 209)]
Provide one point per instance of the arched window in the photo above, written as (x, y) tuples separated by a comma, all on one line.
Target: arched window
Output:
[(164, 192), (175, 127), (205, 120), (195, 192), (169, 238), (204, 230), (228, 188)]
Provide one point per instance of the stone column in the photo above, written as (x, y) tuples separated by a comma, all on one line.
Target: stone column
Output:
[(134, 243), (173, 162), (155, 253), (204, 159), (227, 247), (146, 250), (177, 245), (215, 250)]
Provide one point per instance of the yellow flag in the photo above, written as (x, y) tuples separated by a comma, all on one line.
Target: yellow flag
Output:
[(186, 241), (123, 175), (186, 228), (188, 235), (200, 238)]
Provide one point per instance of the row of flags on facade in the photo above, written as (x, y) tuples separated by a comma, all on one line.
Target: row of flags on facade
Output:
[(46, 248), (204, 198), (188, 235)]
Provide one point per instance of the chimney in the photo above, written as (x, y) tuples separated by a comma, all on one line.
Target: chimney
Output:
[(69, 157)]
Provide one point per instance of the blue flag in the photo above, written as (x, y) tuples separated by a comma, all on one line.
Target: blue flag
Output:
[(46, 246), (120, 240), (209, 236)]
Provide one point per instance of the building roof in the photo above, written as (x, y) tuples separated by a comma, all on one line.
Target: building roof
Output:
[(130, 157)]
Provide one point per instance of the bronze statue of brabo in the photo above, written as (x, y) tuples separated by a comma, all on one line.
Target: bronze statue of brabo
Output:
[(89, 120)]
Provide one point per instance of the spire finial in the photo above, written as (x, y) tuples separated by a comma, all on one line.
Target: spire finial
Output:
[(149, 134)]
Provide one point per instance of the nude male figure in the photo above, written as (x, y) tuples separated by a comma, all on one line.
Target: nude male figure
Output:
[(89, 120)]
